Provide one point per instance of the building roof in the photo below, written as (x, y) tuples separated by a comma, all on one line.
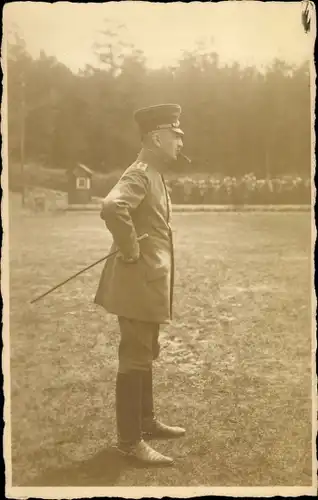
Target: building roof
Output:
[(88, 170), (79, 167)]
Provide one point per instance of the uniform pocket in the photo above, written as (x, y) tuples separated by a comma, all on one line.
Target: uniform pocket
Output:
[(155, 273)]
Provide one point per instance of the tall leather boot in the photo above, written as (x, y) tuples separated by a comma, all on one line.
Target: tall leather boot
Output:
[(128, 416), (147, 403), (151, 427), (128, 408)]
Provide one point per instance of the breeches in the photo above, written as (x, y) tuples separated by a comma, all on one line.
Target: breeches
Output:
[(139, 344)]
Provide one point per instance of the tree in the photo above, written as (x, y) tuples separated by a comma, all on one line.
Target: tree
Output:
[(236, 120)]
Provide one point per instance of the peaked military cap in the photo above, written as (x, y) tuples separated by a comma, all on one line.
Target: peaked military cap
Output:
[(158, 117)]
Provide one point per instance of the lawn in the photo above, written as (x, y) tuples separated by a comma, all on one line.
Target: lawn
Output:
[(235, 366)]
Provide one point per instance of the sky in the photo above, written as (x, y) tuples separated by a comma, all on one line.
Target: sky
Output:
[(247, 32)]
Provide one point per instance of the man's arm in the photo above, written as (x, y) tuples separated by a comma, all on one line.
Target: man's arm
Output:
[(125, 197)]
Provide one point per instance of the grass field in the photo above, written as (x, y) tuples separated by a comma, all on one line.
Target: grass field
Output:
[(234, 368)]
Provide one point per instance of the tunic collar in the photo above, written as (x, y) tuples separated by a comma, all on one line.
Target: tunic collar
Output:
[(153, 159)]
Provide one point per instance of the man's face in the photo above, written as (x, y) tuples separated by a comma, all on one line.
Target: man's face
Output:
[(170, 143)]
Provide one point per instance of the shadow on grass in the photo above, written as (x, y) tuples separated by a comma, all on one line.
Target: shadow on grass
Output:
[(102, 469)]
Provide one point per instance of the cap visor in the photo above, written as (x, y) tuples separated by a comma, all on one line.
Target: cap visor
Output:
[(178, 131)]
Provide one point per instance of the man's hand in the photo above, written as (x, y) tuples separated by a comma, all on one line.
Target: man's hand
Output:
[(131, 259)]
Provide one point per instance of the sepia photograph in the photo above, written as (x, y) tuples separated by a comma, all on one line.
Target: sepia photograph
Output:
[(157, 269)]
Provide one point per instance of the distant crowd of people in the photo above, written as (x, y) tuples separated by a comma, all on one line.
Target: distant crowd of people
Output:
[(248, 189)]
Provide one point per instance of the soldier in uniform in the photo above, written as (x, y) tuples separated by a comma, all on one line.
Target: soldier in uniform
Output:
[(136, 284)]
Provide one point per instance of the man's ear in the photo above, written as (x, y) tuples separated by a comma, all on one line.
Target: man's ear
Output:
[(156, 139)]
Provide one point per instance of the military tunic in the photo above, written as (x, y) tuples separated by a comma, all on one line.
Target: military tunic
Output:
[(139, 203)]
